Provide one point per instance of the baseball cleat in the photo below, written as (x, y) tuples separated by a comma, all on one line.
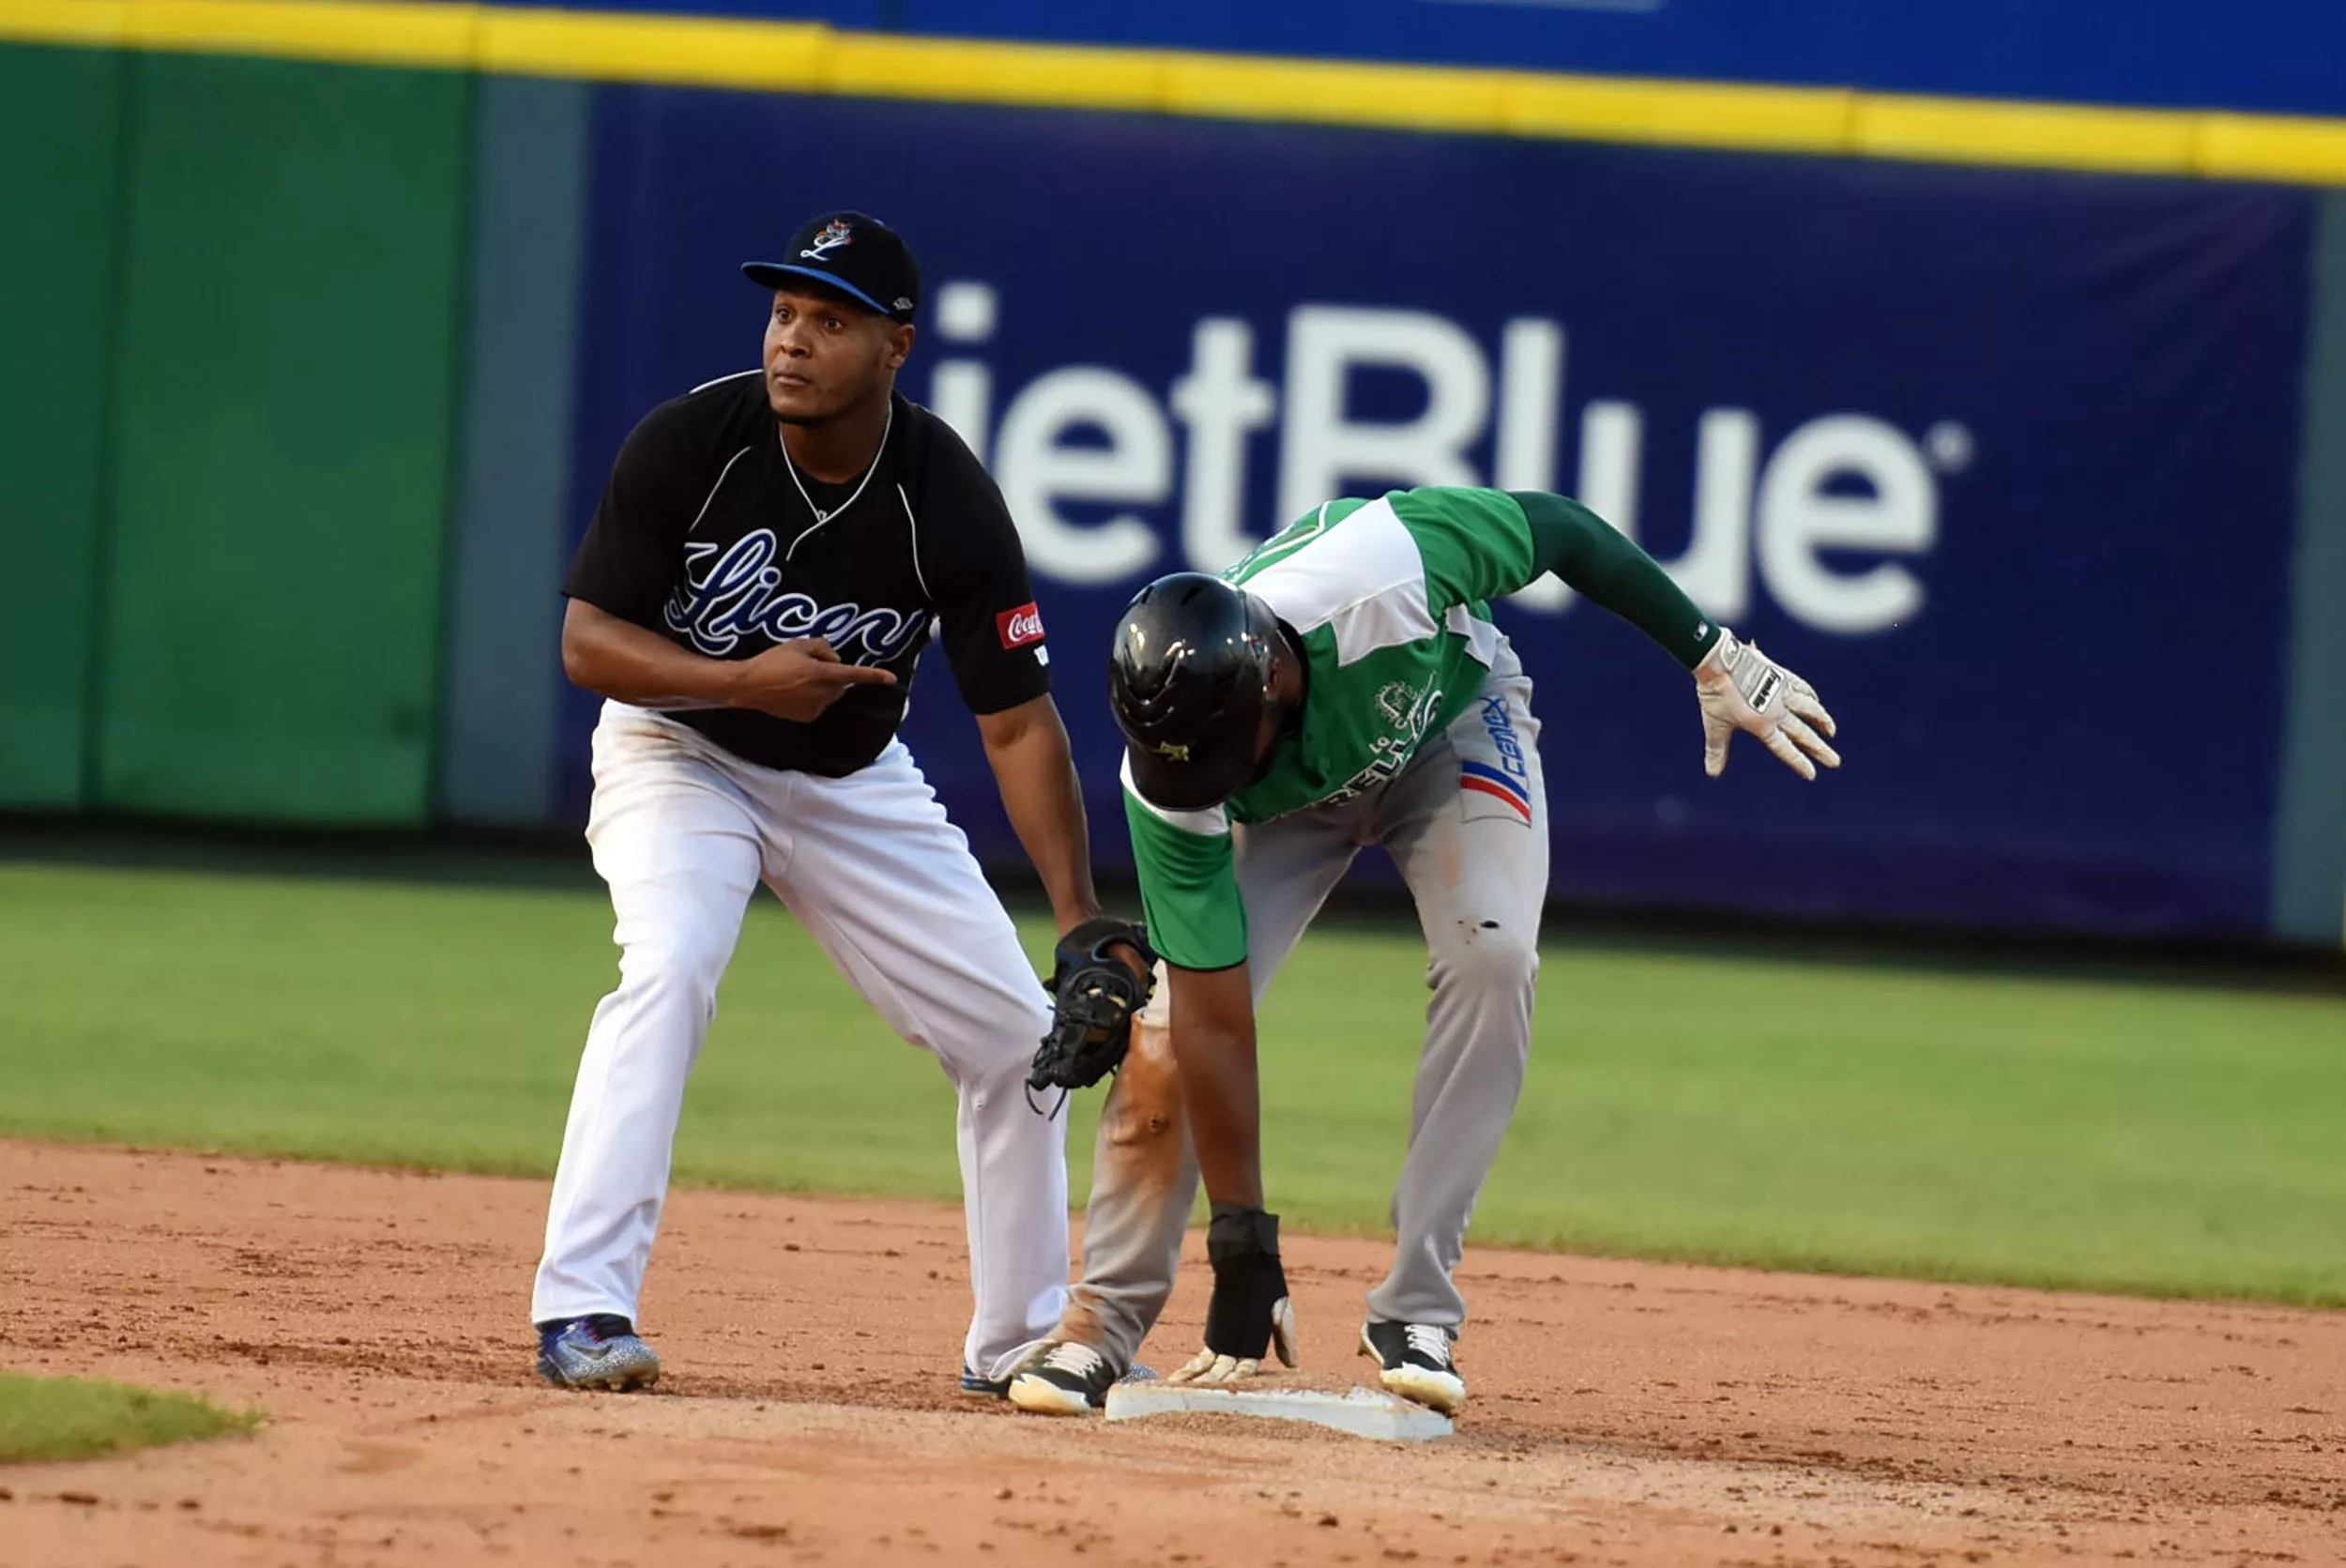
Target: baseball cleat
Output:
[(978, 1385), (1063, 1378), (599, 1352), (1416, 1362)]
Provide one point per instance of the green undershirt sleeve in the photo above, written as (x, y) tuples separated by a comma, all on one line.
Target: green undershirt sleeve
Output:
[(1188, 890), (1595, 560)]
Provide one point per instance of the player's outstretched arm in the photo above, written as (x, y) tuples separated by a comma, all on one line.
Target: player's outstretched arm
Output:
[(1213, 1051), (1032, 763), (1738, 686)]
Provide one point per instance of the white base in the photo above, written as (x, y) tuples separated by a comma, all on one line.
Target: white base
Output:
[(1362, 1412)]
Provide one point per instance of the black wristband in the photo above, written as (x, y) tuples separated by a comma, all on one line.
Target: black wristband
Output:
[(1236, 1231), (1248, 1282)]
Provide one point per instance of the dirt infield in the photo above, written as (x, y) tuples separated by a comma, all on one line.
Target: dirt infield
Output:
[(1623, 1413)]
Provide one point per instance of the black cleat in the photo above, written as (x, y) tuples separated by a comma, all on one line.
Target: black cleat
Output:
[(1416, 1362), (1063, 1378)]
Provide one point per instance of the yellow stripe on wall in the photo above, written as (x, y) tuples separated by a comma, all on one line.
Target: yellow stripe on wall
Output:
[(1682, 114), (953, 71), (2269, 146), (616, 46), (812, 58), (409, 35), (2064, 136), (98, 22)]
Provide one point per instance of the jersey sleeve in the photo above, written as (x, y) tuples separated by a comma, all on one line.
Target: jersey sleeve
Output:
[(1188, 872), (1595, 559), (631, 554), (1476, 544), (975, 571)]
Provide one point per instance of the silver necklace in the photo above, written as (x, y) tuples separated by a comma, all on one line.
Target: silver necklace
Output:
[(821, 516)]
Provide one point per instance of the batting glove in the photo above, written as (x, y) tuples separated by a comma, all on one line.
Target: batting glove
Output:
[(1250, 1314), (1741, 688)]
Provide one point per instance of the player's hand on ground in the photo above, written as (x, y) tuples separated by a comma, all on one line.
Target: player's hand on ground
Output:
[(1743, 689), (1251, 1315), (800, 678), (1212, 1366)]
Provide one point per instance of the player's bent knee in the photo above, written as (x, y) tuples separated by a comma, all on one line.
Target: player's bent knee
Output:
[(999, 1052), (1146, 1106), (667, 969), (1485, 954), (1139, 1121)]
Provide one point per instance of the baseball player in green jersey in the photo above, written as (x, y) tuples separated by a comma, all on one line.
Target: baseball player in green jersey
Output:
[(1344, 686)]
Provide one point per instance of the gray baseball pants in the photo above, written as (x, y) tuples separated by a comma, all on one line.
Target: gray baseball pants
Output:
[(1476, 866)]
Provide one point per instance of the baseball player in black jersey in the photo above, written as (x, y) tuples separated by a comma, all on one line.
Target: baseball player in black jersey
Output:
[(770, 559)]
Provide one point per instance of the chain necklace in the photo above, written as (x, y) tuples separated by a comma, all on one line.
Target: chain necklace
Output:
[(821, 516)]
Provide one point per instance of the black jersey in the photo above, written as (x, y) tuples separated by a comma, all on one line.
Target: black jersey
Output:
[(710, 536)]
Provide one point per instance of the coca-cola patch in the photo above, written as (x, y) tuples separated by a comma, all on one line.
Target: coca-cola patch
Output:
[(1021, 626)]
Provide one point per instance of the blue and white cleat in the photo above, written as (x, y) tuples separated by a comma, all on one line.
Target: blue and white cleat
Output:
[(599, 1352), (978, 1386)]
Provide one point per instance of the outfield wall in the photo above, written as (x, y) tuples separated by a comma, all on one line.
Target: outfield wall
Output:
[(238, 282), (2036, 474), (2174, 53)]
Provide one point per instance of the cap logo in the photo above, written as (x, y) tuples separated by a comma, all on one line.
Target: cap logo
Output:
[(1172, 753), (835, 235)]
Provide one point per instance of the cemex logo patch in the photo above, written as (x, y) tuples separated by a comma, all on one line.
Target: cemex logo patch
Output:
[(1507, 777), (1482, 779), (1021, 626)]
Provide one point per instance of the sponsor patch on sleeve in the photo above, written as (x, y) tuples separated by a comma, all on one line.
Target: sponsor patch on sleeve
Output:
[(1020, 628)]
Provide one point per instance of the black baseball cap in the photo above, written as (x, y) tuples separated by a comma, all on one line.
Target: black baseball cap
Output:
[(854, 253)]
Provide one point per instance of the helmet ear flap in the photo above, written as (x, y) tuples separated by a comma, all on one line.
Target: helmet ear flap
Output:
[(1263, 628)]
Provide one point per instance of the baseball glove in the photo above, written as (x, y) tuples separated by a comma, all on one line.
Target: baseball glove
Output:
[(1094, 996)]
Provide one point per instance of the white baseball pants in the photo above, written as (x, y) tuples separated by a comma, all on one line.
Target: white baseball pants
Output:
[(683, 831)]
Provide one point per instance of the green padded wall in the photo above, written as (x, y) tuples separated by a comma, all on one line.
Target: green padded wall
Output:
[(2310, 828), (285, 413), (501, 675), (60, 155)]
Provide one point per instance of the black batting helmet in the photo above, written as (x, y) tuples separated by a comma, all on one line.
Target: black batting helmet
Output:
[(1188, 675)]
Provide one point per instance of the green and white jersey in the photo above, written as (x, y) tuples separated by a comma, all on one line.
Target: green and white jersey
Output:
[(1389, 598)]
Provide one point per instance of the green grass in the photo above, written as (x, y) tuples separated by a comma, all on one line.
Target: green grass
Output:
[(73, 1418), (2153, 1138)]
